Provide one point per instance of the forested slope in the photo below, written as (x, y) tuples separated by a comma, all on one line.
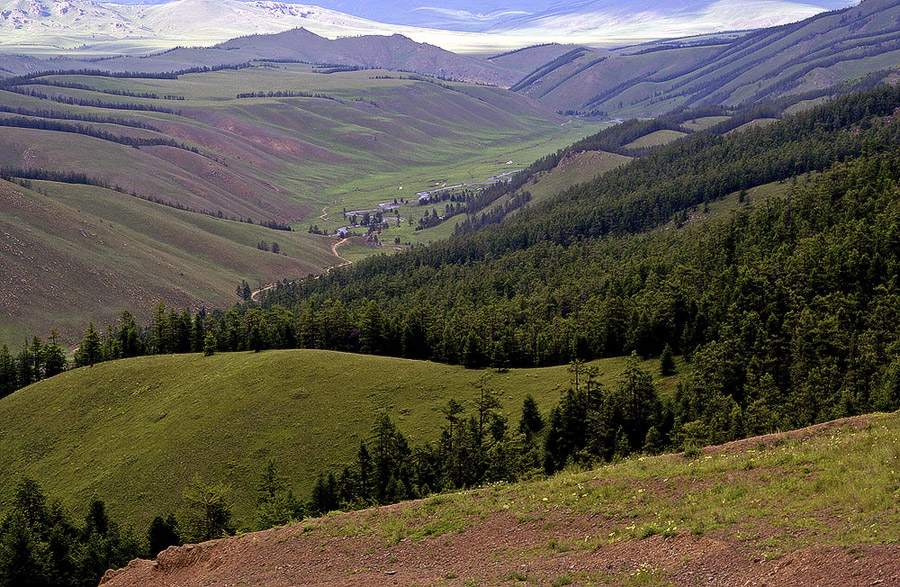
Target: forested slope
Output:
[(784, 308)]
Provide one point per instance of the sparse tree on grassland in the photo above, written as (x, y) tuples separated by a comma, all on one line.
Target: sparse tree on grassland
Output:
[(208, 513)]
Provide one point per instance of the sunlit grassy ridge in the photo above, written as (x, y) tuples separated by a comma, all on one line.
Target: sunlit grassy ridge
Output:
[(135, 431), (835, 486)]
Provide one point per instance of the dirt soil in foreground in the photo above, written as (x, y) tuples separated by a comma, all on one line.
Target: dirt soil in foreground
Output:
[(502, 550)]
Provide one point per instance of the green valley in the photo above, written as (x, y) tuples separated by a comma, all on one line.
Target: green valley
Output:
[(320, 144)]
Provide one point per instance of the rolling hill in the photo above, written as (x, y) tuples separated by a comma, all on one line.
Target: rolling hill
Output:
[(815, 506), (136, 431)]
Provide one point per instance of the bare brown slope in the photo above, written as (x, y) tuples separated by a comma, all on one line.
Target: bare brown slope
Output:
[(546, 541)]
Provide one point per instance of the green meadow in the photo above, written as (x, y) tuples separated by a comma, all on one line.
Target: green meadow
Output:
[(135, 431)]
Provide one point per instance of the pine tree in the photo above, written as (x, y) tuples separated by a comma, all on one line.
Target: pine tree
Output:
[(364, 473), (37, 359), (162, 534), (255, 339), (275, 505), (271, 483), (54, 356), (622, 446), (25, 366), (667, 362), (209, 344), (324, 497), (24, 558), (161, 330), (9, 379), (89, 351), (371, 336), (129, 339), (198, 334), (531, 422), (208, 510)]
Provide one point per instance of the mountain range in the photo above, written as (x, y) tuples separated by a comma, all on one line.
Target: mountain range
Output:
[(51, 26)]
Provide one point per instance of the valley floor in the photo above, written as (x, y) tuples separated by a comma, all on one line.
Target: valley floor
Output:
[(810, 507)]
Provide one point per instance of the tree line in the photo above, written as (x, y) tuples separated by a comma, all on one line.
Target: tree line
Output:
[(91, 102), (97, 133), (111, 92)]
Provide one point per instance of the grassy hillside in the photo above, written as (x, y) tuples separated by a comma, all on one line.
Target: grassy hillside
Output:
[(656, 139), (576, 168), (318, 145), (73, 253), (816, 506), (135, 431), (792, 59)]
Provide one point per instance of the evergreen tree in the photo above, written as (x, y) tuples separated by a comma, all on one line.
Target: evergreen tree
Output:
[(667, 362), (161, 330), (109, 348), (209, 344), (390, 454), (89, 351), (25, 366), (531, 422), (365, 473), (371, 335), (276, 505), (103, 546), (37, 359), (324, 497), (54, 356), (639, 404), (208, 513), (162, 534), (24, 558), (129, 338), (452, 444), (9, 379), (198, 334)]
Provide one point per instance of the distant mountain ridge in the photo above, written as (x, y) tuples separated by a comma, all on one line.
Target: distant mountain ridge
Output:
[(790, 59), (45, 26), (395, 52)]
